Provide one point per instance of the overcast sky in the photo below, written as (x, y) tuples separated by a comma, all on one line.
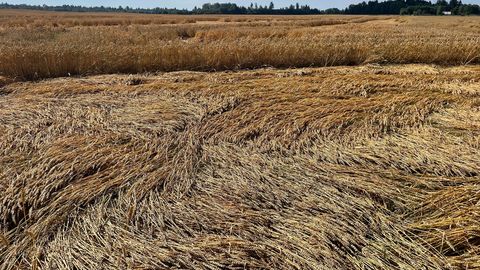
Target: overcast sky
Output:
[(189, 4)]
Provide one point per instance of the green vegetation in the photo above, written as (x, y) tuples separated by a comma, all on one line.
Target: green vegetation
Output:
[(413, 7), (394, 7), (216, 8)]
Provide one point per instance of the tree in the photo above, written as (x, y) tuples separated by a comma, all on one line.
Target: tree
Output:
[(440, 10), (453, 4), (442, 3), (404, 7), (332, 11), (404, 11)]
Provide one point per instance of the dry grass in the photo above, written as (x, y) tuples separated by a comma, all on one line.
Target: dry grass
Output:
[(320, 168), (39, 45), (32, 19)]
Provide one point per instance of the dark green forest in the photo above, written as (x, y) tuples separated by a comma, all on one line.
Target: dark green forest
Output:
[(413, 7), (389, 7)]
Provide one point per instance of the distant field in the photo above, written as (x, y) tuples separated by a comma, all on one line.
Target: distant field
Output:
[(239, 142), (46, 44)]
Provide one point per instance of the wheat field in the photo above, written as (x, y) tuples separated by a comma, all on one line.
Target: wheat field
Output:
[(40, 45), (350, 143), (370, 167)]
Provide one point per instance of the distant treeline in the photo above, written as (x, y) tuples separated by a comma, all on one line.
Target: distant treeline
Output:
[(413, 7), (229, 8), (402, 7), (216, 8), (73, 8)]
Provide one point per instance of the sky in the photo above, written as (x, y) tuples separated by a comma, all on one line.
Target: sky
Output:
[(189, 4)]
